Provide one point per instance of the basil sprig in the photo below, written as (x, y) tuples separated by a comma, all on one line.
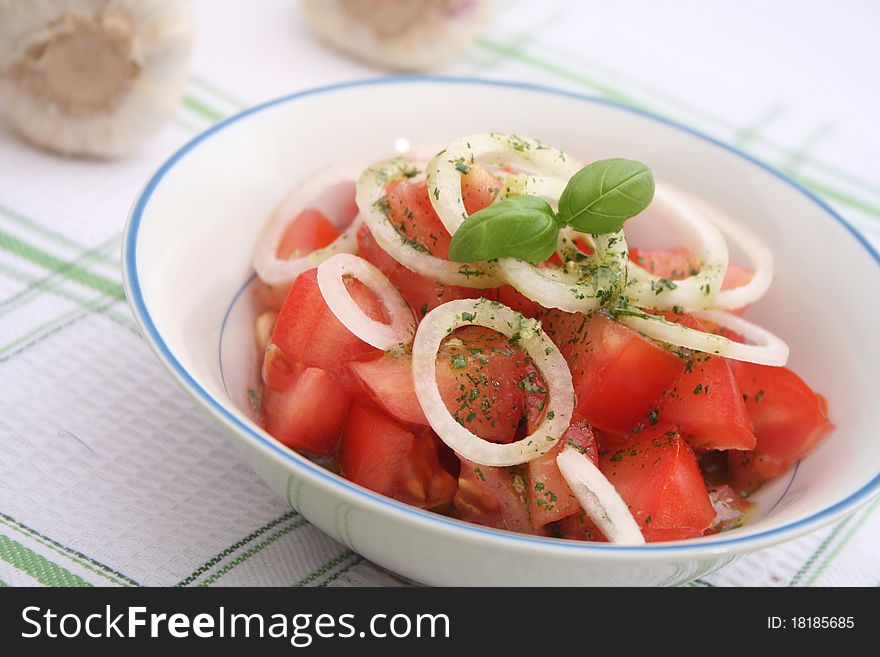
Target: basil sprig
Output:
[(597, 199), (521, 227)]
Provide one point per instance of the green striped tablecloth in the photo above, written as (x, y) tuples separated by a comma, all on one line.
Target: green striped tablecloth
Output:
[(109, 475)]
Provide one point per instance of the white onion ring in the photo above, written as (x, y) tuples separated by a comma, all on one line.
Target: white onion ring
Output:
[(598, 497), (276, 271), (371, 191), (703, 239), (756, 250), (582, 284), (493, 148), (332, 285), (444, 319), (766, 348)]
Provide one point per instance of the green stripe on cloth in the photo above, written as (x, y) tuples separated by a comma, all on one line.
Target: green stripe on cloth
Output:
[(217, 558), (217, 91), (799, 575), (36, 565), (843, 543), (68, 269), (45, 231), (835, 194), (40, 333), (3, 584), (326, 568), (200, 108), (55, 278), (560, 71), (74, 555), (358, 559), (240, 559), (30, 281)]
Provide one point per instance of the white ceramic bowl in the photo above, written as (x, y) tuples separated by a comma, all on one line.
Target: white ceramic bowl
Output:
[(187, 259)]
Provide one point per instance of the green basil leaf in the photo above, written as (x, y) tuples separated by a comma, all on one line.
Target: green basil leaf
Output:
[(604, 194), (521, 227)]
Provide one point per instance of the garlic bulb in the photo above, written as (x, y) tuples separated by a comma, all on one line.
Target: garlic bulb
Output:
[(405, 35), (92, 77)]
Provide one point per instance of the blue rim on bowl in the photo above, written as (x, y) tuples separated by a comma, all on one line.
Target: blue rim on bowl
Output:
[(718, 543)]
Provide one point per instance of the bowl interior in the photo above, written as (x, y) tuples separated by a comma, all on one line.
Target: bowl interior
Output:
[(199, 219)]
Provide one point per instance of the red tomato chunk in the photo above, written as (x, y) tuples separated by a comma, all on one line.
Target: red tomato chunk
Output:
[(619, 377), (309, 414), (788, 418), (308, 332), (657, 475), (550, 498), (386, 457), (706, 404), (494, 497)]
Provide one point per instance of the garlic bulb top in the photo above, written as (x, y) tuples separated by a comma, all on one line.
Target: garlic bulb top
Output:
[(92, 77), (404, 35)]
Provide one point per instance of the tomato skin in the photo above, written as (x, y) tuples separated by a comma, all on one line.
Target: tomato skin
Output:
[(421, 293), (550, 498), (308, 332), (656, 473), (705, 402), (478, 188), (494, 497), (579, 527), (388, 382), (309, 414), (485, 382), (511, 297), (789, 422), (618, 375), (310, 230), (414, 217), (380, 454)]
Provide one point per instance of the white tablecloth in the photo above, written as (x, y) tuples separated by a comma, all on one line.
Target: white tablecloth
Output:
[(110, 475)]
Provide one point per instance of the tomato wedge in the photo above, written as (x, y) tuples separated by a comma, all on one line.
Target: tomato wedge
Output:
[(550, 498), (619, 376), (494, 497), (478, 188), (378, 453), (788, 418), (309, 413), (705, 402), (485, 382), (388, 383), (656, 473), (310, 230), (308, 332)]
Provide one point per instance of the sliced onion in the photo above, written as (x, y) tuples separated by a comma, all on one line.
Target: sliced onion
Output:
[(702, 238), (582, 284), (765, 348), (598, 497), (332, 285), (756, 250), (493, 149), (277, 271), (549, 189), (442, 321), (370, 194)]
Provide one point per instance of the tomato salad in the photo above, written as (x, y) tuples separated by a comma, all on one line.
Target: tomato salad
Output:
[(471, 333)]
